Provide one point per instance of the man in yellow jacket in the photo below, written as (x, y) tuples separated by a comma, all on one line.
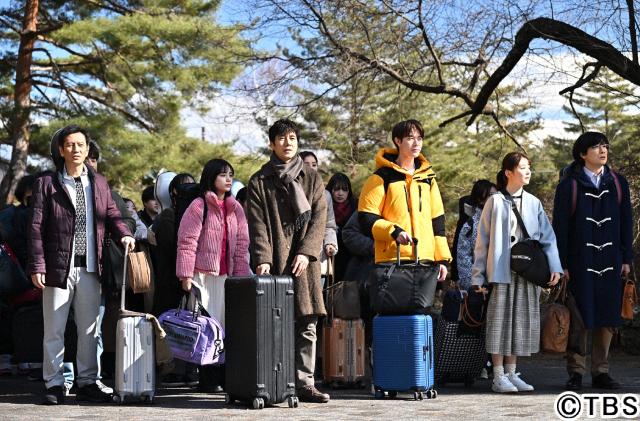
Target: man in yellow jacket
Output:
[(401, 201)]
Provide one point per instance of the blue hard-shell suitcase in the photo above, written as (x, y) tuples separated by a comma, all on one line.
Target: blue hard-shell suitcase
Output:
[(403, 356)]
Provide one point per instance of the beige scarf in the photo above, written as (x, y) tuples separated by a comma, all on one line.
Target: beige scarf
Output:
[(287, 175)]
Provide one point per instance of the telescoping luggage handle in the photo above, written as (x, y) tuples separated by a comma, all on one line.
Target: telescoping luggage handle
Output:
[(415, 251), (124, 278)]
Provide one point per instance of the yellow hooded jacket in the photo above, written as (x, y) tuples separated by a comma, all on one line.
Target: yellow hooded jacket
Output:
[(393, 200)]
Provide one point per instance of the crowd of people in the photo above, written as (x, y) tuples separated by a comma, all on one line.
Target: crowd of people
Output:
[(67, 232)]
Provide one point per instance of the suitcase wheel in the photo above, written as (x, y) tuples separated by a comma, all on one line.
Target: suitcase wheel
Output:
[(117, 399), (379, 394), (258, 403), (293, 401), (418, 396), (431, 394), (393, 394), (228, 399)]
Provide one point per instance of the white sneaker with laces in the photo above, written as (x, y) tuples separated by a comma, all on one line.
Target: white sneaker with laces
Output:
[(105, 389), (501, 384), (520, 384)]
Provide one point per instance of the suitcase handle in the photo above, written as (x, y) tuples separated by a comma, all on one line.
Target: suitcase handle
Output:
[(415, 251), (124, 278)]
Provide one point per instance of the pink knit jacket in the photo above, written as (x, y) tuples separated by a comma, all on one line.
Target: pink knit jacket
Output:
[(199, 246)]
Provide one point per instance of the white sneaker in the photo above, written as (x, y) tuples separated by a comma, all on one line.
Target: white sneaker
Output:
[(484, 374), (104, 388), (520, 384), (501, 384)]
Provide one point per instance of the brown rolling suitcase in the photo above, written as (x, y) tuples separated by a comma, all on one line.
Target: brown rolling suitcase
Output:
[(344, 353)]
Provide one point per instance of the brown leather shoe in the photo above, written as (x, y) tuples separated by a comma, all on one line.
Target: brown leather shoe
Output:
[(311, 394)]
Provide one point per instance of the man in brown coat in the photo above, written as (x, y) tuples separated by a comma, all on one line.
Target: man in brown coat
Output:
[(286, 212)]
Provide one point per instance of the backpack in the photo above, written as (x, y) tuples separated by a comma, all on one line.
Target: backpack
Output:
[(574, 191)]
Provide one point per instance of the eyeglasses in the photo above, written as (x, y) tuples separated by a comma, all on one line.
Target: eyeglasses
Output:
[(598, 146)]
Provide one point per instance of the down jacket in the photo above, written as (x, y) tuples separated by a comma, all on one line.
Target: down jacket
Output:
[(200, 241), (393, 200)]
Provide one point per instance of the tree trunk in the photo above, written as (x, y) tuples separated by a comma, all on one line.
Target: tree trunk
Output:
[(19, 124)]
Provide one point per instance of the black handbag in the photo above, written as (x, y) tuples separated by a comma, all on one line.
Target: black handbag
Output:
[(527, 257), (404, 288), (451, 304), (343, 298)]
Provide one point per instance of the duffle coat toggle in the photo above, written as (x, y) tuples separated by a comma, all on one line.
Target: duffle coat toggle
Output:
[(600, 272), (597, 196), (600, 247), (598, 223)]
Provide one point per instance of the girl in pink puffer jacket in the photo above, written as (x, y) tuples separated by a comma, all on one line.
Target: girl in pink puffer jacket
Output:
[(213, 244)]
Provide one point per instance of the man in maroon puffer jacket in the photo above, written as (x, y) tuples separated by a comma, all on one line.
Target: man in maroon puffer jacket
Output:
[(72, 207)]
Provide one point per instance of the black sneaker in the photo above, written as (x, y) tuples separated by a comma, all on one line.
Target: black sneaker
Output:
[(173, 380), (604, 381), (93, 393), (575, 382), (54, 396)]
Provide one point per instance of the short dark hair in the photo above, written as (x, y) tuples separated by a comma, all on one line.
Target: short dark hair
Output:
[(305, 154), (126, 199), (182, 178), (210, 172), (148, 194), (57, 141), (94, 150), (24, 185), (509, 162), (281, 128), (584, 142), (403, 129), (480, 192), (69, 130)]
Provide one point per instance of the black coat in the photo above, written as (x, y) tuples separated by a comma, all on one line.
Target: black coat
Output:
[(594, 241), (361, 249)]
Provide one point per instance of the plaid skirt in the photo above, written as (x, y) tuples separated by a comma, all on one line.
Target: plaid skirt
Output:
[(513, 318)]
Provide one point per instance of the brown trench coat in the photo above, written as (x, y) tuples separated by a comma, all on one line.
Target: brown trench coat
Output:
[(272, 236)]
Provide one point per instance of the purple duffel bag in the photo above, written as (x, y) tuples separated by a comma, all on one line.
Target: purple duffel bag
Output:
[(193, 336)]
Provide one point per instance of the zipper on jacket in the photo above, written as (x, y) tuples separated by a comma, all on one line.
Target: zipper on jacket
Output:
[(420, 197), (406, 195)]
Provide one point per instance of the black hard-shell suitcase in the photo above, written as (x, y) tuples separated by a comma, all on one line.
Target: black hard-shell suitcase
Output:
[(459, 357), (259, 340)]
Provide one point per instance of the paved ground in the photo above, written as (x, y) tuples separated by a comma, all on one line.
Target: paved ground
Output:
[(19, 399)]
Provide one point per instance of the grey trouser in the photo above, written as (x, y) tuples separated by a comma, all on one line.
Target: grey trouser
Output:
[(305, 350), (84, 294)]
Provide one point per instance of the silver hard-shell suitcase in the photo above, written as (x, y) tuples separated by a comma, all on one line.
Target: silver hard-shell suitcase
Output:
[(135, 354)]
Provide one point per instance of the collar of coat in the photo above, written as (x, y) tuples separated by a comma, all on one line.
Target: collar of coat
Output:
[(386, 157), (230, 203), (267, 171), (576, 171)]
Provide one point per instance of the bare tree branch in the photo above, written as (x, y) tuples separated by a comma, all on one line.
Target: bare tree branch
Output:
[(584, 80), (381, 65), (632, 31), (566, 34), (425, 37)]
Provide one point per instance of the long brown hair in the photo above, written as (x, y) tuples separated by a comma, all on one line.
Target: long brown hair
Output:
[(509, 162)]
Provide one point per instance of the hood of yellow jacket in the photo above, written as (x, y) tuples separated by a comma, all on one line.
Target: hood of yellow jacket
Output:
[(386, 157)]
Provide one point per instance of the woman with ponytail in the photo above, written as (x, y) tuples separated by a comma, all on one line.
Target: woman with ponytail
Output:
[(513, 313)]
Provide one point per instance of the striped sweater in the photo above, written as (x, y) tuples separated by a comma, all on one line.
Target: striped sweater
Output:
[(200, 245)]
